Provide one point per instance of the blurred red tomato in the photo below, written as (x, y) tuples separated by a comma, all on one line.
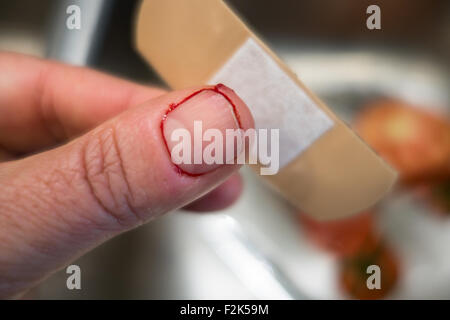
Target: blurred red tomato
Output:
[(353, 273), (344, 237), (413, 141)]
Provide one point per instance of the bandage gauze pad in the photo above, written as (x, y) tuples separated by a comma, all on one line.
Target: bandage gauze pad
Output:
[(325, 169)]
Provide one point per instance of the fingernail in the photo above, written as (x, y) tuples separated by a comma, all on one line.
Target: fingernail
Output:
[(193, 147)]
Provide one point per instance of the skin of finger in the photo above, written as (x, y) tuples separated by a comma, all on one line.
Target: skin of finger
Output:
[(220, 198), (43, 103), (50, 215)]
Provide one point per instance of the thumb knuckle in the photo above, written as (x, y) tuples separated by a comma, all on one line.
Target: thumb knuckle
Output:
[(105, 175)]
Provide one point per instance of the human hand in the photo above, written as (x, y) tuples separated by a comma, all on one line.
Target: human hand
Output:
[(85, 159)]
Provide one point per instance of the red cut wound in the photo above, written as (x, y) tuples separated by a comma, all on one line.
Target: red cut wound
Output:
[(219, 88)]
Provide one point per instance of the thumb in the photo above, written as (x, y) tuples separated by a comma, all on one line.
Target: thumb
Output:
[(56, 205)]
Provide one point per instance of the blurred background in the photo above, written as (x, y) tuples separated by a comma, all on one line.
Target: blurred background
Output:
[(391, 85)]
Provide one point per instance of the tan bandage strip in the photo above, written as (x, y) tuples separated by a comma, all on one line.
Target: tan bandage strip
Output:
[(326, 170), (264, 86)]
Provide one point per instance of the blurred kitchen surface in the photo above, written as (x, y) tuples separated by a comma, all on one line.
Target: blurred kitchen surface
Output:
[(266, 254)]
